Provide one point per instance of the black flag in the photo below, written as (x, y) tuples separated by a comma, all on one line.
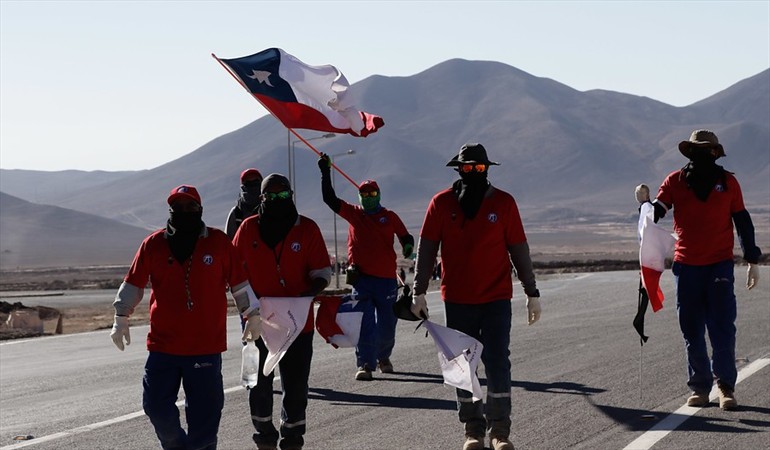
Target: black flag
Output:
[(640, 312)]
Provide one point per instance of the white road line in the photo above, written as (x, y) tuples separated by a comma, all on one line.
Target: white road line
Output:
[(678, 417), (94, 426)]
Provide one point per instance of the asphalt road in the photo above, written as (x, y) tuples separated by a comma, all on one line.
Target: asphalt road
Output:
[(579, 381)]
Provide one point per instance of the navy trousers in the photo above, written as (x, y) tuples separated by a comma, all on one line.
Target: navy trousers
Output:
[(705, 300), (378, 325), (201, 377), (490, 323)]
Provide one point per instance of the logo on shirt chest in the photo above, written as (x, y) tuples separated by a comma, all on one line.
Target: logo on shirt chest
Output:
[(296, 247), (719, 187), (383, 220), (208, 260), (492, 217)]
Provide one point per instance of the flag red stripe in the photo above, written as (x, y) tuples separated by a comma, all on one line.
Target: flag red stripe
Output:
[(651, 283), (299, 115)]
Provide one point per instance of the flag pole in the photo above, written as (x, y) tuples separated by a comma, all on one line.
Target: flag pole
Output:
[(271, 113), (642, 194)]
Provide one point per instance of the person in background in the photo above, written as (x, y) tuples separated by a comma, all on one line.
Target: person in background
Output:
[(285, 256), (480, 233), (373, 262), (190, 267), (248, 201), (707, 202)]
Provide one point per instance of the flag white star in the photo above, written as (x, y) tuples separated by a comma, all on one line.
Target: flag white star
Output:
[(261, 76)]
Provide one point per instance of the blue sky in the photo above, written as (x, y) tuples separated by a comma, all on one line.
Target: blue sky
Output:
[(130, 85)]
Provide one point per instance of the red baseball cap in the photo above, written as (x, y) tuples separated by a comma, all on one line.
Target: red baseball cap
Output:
[(368, 185), (251, 173), (184, 191)]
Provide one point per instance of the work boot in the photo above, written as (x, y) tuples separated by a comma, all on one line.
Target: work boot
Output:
[(698, 399), (364, 373), (501, 443), (727, 399), (473, 442), (385, 365)]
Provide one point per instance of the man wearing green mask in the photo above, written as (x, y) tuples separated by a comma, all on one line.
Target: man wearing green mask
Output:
[(370, 250)]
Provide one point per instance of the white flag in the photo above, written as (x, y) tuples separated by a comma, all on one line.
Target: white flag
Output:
[(458, 356), (283, 318), (655, 245)]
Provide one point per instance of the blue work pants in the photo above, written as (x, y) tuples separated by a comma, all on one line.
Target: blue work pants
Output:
[(201, 377), (378, 325), (490, 323), (705, 300)]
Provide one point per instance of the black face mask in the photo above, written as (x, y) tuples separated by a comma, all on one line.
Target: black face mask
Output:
[(276, 219), (183, 229), (248, 200), (470, 190), (702, 173)]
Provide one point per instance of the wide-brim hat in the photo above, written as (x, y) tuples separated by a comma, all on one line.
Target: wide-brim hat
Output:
[(402, 308), (701, 139), (472, 153), (184, 191)]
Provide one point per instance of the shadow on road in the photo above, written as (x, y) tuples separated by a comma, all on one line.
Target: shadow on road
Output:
[(561, 387), (634, 420), (347, 398)]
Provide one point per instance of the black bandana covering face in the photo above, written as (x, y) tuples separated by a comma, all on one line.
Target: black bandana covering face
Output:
[(248, 200), (470, 190), (276, 217), (183, 229), (702, 173)]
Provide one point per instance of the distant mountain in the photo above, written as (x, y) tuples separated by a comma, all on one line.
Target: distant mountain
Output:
[(47, 187), (565, 154), (33, 235)]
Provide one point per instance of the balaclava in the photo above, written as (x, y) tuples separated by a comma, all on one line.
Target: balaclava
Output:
[(702, 172), (276, 217), (470, 190), (183, 229)]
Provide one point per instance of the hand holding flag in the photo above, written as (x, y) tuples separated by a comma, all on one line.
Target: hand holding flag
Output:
[(458, 356), (282, 321)]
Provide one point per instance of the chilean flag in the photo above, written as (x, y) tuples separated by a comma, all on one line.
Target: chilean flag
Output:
[(338, 321), (458, 356), (283, 319), (302, 96), (655, 245)]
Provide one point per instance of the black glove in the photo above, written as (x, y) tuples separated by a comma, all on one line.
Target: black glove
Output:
[(324, 163)]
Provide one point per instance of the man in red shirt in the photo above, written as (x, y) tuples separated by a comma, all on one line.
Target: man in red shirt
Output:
[(480, 233), (190, 266), (707, 201), (285, 256), (371, 254)]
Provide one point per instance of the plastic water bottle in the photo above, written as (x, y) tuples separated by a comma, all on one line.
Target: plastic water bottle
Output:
[(249, 364)]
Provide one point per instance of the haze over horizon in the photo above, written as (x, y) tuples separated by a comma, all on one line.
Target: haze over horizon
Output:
[(130, 86)]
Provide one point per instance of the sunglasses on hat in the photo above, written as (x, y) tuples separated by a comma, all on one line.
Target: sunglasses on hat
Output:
[(468, 168), (369, 194)]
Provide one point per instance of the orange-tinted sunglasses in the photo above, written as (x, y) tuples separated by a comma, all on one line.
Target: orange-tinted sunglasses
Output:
[(468, 168), (369, 194)]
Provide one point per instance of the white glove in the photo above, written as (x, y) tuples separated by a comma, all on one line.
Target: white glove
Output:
[(533, 310), (752, 276), (252, 329), (120, 332), (419, 306), (642, 193)]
